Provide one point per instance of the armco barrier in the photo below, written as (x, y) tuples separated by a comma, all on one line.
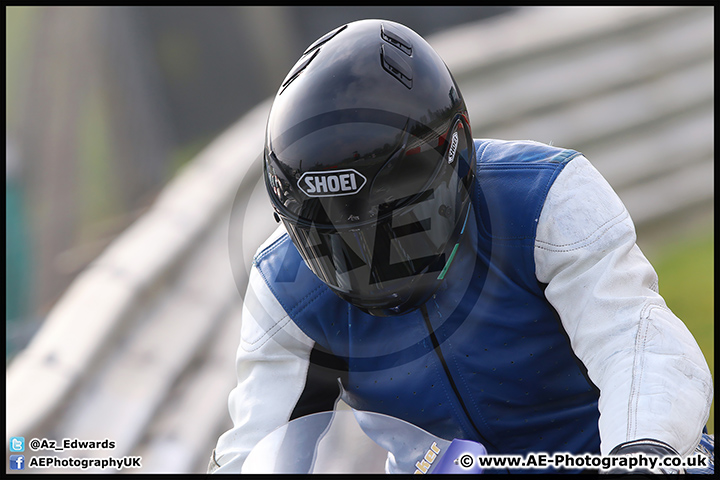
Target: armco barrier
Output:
[(140, 349)]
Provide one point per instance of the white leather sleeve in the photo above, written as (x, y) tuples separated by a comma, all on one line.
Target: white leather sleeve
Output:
[(272, 364), (654, 381)]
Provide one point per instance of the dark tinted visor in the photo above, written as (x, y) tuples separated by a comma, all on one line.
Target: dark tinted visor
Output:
[(405, 247)]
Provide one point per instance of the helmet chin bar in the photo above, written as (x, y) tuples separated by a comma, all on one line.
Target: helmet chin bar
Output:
[(398, 303), (412, 296)]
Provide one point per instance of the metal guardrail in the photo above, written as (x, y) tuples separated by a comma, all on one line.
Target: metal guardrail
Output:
[(140, 349), (632, 88)]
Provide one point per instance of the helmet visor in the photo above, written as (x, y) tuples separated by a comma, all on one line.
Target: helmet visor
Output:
[(397, 258)]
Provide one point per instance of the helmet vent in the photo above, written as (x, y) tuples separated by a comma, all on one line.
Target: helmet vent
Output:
[(324, 39), (297, 70), (396, 39), (396, 66)]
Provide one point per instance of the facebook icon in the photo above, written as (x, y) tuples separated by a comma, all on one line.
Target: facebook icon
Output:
[(17, 462)]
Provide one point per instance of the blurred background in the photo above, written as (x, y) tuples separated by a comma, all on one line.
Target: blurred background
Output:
[(132, 187), (105, 105)]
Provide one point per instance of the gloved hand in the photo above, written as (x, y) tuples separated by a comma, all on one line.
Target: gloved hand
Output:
[(646, 447)]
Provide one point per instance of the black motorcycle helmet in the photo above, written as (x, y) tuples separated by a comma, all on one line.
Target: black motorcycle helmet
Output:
[(369, 163)]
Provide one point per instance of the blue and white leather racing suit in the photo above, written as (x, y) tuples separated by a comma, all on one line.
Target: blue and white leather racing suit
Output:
[(547, 335)]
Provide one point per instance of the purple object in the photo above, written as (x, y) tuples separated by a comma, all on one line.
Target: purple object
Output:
[(460, 457)]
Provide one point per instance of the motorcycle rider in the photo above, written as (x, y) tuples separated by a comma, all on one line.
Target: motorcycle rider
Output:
[(481, 289)]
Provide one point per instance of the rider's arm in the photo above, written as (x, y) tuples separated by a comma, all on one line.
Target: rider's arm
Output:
[(654, 381), (278, 379)]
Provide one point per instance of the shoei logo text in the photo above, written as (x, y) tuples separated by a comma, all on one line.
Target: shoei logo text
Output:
[(453, 148), (331, 184)]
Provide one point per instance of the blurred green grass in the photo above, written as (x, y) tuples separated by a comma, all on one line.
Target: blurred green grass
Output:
[(686, 269)]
